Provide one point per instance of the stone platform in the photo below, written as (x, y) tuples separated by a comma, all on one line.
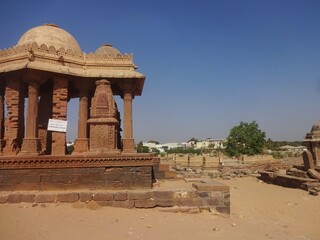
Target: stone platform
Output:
[(292, 178), (178, 196), (119, 171)]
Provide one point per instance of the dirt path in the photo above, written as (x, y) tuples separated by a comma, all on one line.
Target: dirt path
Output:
[(259, 211)]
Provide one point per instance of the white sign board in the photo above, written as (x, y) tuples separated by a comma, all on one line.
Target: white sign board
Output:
[(57, 125)]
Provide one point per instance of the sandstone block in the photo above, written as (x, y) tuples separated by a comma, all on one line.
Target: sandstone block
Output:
[(105, 203), (163, 194), (14, 198), (85, 196), (211, 186), (227, 196), (308, 160), (194, 210), (203, 194), (4, 198), (165, 202), (140, 195), (27, 198), (123, 204), (145, 203), (103, 196), (190, 202), (45, 198), (225, 210), (216, 194), (120, 196), (215, 202), (67, 197)]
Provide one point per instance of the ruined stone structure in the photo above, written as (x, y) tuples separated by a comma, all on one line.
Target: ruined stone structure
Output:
[(306, 176), (42, 73), (312, 141)]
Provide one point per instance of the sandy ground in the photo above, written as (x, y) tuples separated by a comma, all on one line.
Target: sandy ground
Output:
[(259, 211)]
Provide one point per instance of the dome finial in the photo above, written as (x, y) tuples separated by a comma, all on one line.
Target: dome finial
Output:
[(51, 25)]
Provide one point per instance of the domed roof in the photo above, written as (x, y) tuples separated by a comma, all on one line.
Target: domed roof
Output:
[(107, 49), (314, 133), (315, 127), (50, 35)]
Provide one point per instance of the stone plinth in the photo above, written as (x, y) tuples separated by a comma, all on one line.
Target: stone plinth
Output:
[(31, 146), (128, 145), (81, 146), (74, 172)]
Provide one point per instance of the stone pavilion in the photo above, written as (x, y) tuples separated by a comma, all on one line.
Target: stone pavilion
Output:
[(38, 77)]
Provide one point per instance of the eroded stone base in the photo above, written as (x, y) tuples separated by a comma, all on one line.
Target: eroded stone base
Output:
[(189, 201), (31, 146), (128, 145), (81, 146), (122, 177)]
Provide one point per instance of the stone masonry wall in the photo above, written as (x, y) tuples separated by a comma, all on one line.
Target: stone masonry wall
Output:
[(192, 201), (75, 178)]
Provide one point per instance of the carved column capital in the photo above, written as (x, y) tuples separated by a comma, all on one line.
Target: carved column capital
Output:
[(128, 96), (33, 87)]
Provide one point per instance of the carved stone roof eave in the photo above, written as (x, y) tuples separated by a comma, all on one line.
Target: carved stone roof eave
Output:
[(65, 61), (90, 73)]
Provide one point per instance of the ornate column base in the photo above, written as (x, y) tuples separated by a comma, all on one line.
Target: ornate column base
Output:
[(81, 146), (128, 145), (30, 146), (10, 147), (58, 143)]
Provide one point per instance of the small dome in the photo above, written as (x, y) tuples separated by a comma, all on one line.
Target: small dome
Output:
[(107, 49), (315, 127), (50, 35), (314, 133)]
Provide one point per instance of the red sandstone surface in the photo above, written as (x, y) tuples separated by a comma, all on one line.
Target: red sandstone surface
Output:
[(258, 211)]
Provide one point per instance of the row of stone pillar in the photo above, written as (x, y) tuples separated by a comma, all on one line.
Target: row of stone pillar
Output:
[(13, 133)]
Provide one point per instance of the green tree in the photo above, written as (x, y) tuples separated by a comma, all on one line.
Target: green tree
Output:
[(70, 149), (245, 138), (154, 141), (141, 148), (193, 139)]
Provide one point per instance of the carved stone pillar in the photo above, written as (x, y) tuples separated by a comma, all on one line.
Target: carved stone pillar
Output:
[(118, 129), (31, 142), (82, 142), (45, 112), (15, 105), (59, 111), (127, 140), (103, 122)]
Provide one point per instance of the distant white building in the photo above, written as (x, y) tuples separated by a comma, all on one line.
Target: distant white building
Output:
[(214, 143), (152, 145), (168, 146), (209, 142)]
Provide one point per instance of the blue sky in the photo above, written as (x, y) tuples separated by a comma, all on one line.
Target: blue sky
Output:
[(209, 64)]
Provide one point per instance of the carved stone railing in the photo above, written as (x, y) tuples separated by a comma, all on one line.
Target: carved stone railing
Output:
[(69, 161)]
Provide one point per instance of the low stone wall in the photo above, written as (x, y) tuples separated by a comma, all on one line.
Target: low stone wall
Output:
[(77, 178), (204, 160), (257, 158), (217, 199)]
